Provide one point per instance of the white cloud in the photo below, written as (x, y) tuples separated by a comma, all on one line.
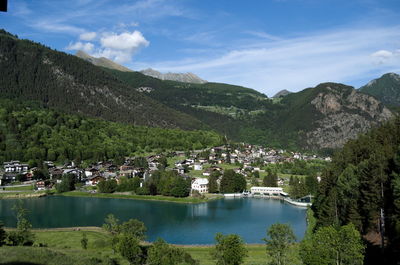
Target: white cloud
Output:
[(121, 47), (86, 47), (88, 36), (384, 56), (296, 63), (124, 41)]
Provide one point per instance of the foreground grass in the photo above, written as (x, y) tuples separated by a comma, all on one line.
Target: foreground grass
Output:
[(63, 247), (141, 197), (21, 195)]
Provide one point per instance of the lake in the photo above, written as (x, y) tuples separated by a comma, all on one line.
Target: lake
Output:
[(176, 223)]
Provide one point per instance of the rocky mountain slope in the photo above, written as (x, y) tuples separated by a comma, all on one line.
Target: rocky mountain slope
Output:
[(386, 89), (330, 114), (30, 71), (103, 62), (180, 77)]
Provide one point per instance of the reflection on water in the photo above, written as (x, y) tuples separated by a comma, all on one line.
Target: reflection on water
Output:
[(175, 222)]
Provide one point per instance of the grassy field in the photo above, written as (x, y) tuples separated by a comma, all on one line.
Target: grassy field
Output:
[(23, 194), (141, 197), (23, 188), (63, 247)]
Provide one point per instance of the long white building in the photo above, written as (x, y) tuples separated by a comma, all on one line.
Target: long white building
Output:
[(266, 190)]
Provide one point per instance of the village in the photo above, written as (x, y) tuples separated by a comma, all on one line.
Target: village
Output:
[(197, 166)]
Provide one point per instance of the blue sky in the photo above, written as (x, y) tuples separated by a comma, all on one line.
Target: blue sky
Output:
[(268, 45)]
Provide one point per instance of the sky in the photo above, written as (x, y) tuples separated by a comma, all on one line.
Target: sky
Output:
[(267, 45)]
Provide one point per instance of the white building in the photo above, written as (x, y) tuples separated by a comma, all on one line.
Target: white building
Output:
[(200, 184), (266, 190), (198, 166)]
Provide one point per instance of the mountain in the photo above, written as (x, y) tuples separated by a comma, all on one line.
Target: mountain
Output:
[(30, 71), (282, 93), (386, 89), (323, 117), (180, 77), (103, 62), (330, 114)]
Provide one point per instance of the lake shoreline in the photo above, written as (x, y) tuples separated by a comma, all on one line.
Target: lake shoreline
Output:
[(159, 198)]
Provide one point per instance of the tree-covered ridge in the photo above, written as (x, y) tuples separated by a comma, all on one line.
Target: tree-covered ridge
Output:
[(31, 71), (362, 186), (35, 133), (386, 89)]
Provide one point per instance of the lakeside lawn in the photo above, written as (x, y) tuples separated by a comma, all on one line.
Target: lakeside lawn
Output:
[(20, 188), (64, 247), (209, 197)]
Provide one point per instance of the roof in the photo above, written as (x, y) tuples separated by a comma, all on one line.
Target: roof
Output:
[(201, 181)]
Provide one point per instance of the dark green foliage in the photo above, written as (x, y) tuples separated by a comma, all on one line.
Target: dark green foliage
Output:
[(44, 134), (31, 71), (131, 184), (362, 182), (212, 182), (67, 184), (22, 236), (298, 188), (84, 241), (280, 237), (271, 179), (329, 245), (133, 228), (167, 183), (130, 249), (107, 186), (140, 162), (232, 182), (229, 250), (160, 253), (3, 234)]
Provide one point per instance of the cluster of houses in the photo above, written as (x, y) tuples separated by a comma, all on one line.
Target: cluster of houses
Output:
[(248, 158)]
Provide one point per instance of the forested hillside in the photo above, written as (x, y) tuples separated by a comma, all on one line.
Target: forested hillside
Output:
[(31, 71), (362, 186), (323, 117), (29, 132)]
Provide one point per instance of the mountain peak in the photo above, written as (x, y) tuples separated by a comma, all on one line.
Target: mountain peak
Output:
[(103, 62), (282, 93), (385, 88), (180, 77)]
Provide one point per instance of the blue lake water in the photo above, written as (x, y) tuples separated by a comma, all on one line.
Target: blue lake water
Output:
[(176, 223)]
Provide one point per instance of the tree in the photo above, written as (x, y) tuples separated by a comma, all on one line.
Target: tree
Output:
[(129, 248), (281, 236), (160, 253), (133, 228), (329, 245), (84, 241), (111, 224), (67, 183), (107, 186), (232, 182), (3, 234), (229, 250), (212, 182), (22, 236)]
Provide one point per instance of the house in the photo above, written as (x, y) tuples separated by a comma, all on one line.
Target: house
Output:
[(91, 172), (55, 173), (200, 185), (15, 167), (198, 166), (94, 180), (180, 170)]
